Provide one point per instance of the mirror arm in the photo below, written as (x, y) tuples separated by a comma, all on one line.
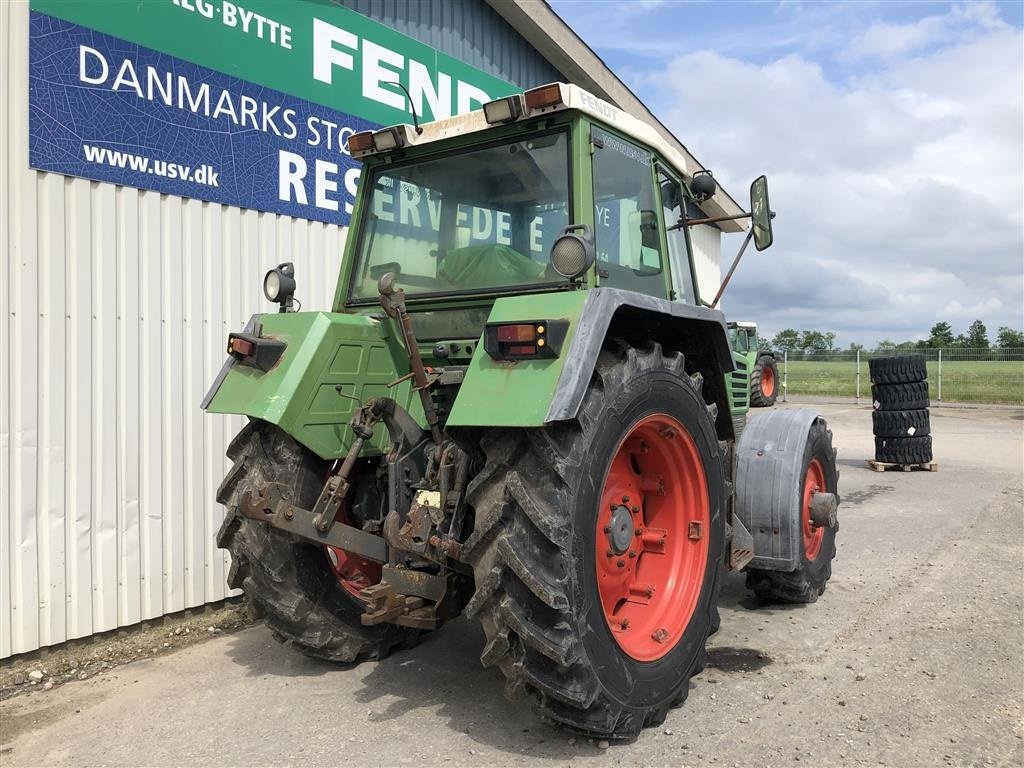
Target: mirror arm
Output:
[(712, 220), (735, 263)]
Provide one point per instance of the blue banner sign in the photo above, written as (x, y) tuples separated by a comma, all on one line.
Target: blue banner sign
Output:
[(106, 109)]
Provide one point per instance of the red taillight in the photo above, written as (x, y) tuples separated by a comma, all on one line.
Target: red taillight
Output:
[(241, 347), (545, 96), (513, 333), (360, 142), (521, 350)]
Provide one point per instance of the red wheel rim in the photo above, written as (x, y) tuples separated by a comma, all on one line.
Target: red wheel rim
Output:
[(655, 498), (814, 481), (353, 572), (767, 381)]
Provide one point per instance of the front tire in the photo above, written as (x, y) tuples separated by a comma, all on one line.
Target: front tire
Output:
[(289, 582), (807, 582), (764, 382), (543, 503)]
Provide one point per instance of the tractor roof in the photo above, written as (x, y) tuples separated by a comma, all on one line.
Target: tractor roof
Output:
[(570, 97)]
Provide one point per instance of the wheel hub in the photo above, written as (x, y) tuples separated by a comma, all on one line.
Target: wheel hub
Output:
[(620, 530)]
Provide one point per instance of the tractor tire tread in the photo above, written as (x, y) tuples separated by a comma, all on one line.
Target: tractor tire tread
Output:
[(274, 569), (909, 396), (519, 554), (897, 369), (915, 423), (758, 399), (903, 450)]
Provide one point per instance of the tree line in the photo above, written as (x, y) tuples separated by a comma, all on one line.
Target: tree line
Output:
[(1009, 343)]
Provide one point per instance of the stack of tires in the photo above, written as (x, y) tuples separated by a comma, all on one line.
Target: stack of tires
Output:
[(899, 392)]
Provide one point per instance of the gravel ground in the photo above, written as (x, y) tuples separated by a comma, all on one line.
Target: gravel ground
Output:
[(913, 657)]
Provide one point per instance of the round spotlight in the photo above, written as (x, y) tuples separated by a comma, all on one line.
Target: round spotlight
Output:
[(279, 285), (573, 254)]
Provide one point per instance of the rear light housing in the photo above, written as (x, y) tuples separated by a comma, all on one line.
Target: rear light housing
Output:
[(255, 351), (359, 143), (544, 97), (525, 340)]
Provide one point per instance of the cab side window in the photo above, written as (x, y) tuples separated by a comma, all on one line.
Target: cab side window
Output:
[(626, 228), (678, 251)]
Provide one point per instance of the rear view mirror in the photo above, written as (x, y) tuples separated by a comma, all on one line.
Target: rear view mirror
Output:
[(760, 213)]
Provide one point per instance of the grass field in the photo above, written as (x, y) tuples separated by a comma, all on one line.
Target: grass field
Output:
[(969, 382)]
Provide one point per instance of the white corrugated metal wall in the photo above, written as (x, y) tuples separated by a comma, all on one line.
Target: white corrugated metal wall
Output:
[(115, 304), (707, 249)]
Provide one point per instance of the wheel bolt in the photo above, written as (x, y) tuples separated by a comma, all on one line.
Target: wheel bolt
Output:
[(607, 529), (625, 624), (660, 635), (610, 553), (621, 563), (632, 553), (634, 509), (625, 499)]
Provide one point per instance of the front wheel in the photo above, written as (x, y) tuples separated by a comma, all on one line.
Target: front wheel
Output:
[(599, 545), (806, 583), (764, 382)]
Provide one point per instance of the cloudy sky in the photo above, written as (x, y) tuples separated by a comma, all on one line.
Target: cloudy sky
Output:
[(891, 134)]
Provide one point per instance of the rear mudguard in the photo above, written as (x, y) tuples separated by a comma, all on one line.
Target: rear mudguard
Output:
[(328, 359), (531, 393), (769, 484)]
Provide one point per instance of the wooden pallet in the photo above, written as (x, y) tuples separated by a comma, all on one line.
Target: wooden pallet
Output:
[(882, 466)]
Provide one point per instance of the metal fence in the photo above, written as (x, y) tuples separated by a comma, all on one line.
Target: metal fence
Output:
[(954, 375)]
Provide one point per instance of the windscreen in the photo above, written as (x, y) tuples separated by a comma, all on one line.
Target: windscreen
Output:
[(476, 221)]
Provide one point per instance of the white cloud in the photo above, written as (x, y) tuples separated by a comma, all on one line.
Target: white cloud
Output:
[(899, 192), (884, 40)]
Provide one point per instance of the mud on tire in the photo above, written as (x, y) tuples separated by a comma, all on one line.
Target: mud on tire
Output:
[(533, 552), (287, 580)]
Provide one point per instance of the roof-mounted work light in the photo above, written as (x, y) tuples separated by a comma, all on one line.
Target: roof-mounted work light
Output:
[(504, 110), (388, 139)]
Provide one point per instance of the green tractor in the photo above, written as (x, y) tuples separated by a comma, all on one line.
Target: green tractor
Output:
[(517, 409), (756, 369)]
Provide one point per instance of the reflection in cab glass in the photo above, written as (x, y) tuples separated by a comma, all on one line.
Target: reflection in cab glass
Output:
[(474, 222), (626, 225)]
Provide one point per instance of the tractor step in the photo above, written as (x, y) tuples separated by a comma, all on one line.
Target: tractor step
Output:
[(882, 466)]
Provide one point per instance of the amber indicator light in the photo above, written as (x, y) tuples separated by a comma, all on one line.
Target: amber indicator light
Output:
[(360, 142), (544, 96)]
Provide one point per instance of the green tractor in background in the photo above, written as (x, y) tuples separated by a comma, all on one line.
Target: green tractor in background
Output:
[(518, 409), (756, 368)]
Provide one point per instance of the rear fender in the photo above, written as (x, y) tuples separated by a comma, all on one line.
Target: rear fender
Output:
[(535, 392), (327, 355)]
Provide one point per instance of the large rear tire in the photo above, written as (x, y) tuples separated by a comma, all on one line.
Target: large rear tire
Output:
[(806, 583), (293, 584), (764, 382), (561, 562)]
